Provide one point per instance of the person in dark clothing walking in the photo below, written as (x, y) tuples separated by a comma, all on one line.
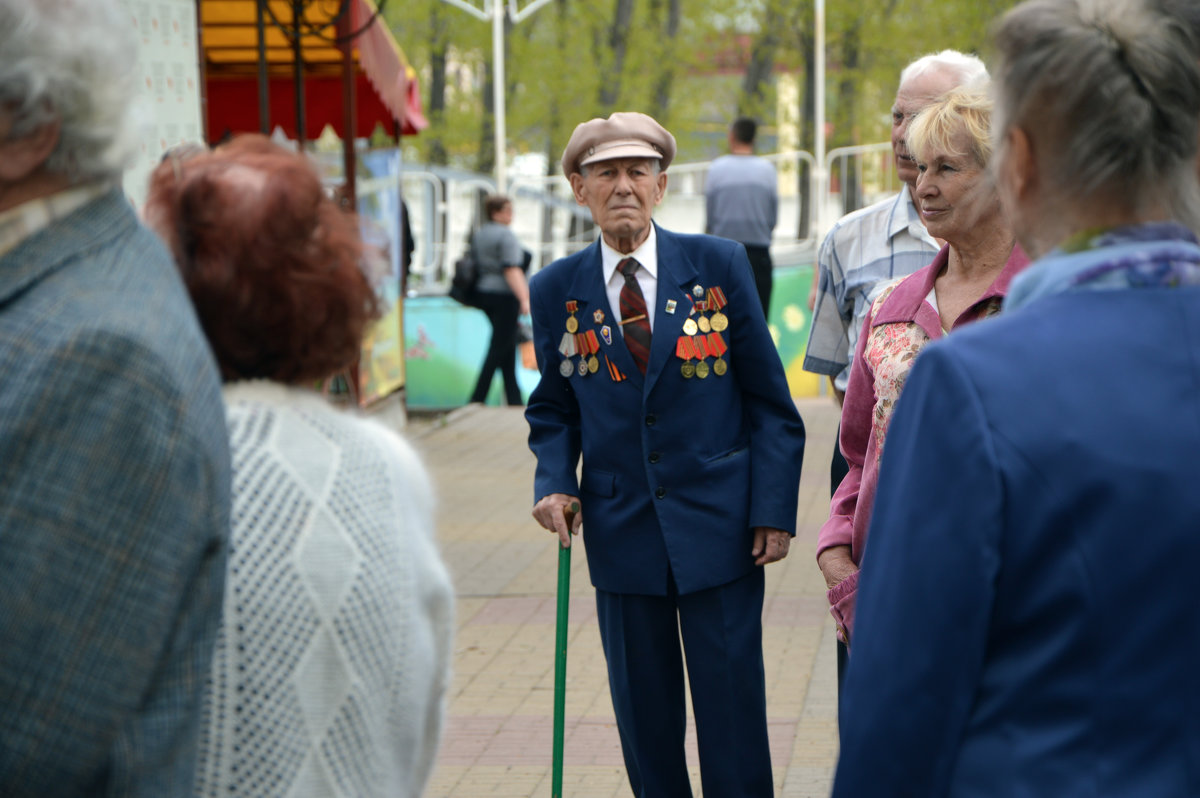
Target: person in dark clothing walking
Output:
[(502, 293)]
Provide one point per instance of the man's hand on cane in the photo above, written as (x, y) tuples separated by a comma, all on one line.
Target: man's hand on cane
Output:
[(559, 513)]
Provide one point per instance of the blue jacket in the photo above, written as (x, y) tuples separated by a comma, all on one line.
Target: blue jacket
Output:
[(114, 512), (676, 471), (1026, 621)]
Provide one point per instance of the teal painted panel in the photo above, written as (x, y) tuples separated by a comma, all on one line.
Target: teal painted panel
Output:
[(446, 343)]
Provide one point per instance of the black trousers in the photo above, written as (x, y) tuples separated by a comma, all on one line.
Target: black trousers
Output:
[(760, 264), (502, 311)]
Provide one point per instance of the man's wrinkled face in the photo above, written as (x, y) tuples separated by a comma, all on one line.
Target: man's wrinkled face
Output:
[(621, 195), (913, 96)]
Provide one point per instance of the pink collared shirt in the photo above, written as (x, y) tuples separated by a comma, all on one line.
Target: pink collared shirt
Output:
[(899, 324)]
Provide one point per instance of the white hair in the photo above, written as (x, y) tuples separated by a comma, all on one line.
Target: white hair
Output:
[(71, 62), (966, 69)]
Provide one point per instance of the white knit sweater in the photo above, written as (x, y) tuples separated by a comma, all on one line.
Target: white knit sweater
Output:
[(333, 656)]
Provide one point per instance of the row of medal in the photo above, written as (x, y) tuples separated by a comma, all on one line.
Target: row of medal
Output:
[(701, 340), (586, 345), (709, 342)]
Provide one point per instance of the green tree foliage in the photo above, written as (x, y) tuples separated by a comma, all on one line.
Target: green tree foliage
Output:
[(692, 65)]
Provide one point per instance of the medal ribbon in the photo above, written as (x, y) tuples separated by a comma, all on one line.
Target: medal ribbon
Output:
[(685, 349), (716, 298), (593, 343), (716, 344), (567, 345), (572, 306), (702, 347)]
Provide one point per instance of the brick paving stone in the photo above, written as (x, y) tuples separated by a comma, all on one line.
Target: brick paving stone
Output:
[(497, 738)]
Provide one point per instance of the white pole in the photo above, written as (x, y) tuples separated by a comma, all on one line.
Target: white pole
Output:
[(822, 175), (498, 92)]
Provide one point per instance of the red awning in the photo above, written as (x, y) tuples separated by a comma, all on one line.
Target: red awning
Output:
[(233, 107), (385, 84)]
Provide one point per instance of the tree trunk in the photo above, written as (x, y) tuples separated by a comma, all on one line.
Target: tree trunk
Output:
[(438, 45), (666, 60), (618, 42), (762, 62)]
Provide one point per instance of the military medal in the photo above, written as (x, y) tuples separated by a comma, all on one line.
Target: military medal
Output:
[(689, 327), (568, 347), (716, 300), (685, 351), (598, 316), (588, 347), (716, 345), (697, 291), (700, 343), (606, 334), (572, 322), (704, 325)]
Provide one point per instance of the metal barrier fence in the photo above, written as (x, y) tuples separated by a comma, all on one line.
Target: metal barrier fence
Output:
[(445, 205)]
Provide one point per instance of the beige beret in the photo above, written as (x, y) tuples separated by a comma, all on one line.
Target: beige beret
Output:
[(625, 134)]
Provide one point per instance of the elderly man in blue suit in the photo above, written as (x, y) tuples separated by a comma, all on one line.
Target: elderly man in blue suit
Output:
[(659, 371), (114, 479)]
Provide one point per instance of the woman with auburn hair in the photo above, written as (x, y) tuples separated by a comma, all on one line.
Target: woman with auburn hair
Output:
[(332, 659), (951, 143)]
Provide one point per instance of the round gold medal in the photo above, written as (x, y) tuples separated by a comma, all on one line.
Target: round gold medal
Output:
[(720, 367), (593, 364), (688, 369), (720, 321), (704, 325), (572, 324), (689, 327), (701, 369)]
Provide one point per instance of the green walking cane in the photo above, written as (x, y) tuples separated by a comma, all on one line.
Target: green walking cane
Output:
[(560, 655)]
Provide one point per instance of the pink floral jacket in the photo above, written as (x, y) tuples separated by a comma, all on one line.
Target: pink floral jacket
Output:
[(900, 323)]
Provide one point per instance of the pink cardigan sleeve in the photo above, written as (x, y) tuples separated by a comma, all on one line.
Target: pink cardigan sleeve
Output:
[(857, 410)]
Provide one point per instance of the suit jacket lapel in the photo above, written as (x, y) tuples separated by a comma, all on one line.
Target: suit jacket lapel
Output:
[(588, 289), (676, 277)]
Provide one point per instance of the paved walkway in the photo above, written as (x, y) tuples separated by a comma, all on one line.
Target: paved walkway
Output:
[(497, 739)]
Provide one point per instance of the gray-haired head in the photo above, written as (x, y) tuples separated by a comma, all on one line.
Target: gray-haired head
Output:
[(964, 69), (71, 62), (1108, 93)]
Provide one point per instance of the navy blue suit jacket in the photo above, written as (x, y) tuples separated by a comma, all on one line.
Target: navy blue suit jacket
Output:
[(1027, 621), (676, 471)]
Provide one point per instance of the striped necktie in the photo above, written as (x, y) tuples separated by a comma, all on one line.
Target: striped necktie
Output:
[(634, 321)]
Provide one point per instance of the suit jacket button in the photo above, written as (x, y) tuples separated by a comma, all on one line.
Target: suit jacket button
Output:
[(651, 420), (661, 492), (655, 457)]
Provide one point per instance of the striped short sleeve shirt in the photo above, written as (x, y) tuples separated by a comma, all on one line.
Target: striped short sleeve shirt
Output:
[(864, 253)]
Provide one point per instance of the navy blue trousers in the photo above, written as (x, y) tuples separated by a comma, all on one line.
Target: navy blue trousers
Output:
[(721, 630)]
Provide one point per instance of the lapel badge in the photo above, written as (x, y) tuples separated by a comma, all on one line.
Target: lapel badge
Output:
[(598, 316), (606, 334), (670, 306), (697, 291)]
